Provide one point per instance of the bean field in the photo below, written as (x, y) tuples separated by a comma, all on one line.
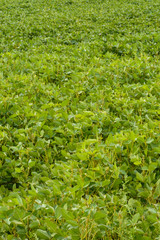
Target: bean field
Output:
[(79, 119)]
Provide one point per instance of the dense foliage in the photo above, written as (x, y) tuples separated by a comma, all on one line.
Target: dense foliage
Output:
[(79, 119)]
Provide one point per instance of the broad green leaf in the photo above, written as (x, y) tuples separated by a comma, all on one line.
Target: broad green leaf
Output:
[(157, 190), (58, 212), (41, 234), (100, 215), (139, 177), (135, 218), (34, 224), (67, 215)]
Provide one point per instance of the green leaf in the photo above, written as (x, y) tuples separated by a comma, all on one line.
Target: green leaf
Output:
[(135, 218), (34, 224), (82, 156), (67, 215), (139, 177), (100, 215), (157, 190), (135, 159), (52, 226), (152, 166), (138, 231), (149, 140), (58, 212), (42, 234)]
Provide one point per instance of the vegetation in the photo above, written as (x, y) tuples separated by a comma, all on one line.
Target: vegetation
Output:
[(79, 119)]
